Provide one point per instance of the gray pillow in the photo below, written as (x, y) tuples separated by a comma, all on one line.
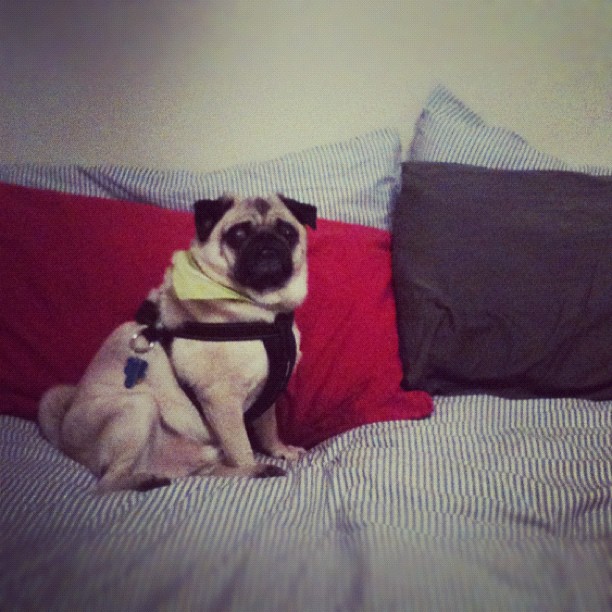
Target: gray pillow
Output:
[(503, 281)]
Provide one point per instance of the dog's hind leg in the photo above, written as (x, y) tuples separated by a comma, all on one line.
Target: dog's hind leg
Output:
[(147, 452), (123, 447)]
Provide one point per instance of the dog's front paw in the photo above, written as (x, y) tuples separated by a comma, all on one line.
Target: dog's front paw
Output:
[(287, 451)]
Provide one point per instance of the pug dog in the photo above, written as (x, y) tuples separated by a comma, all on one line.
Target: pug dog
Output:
[(183, 388)]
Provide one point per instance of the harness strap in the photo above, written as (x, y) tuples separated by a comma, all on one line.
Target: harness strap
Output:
[(278, 340)]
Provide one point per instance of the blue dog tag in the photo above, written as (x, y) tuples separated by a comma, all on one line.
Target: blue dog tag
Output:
[(134, 371)]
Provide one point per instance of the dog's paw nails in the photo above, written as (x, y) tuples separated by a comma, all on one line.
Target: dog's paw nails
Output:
[(288, 452), (269, 471)]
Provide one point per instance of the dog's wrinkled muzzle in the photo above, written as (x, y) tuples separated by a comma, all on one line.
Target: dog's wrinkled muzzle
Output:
[(264, 263)]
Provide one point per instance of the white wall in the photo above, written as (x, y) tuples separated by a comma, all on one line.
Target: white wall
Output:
[(203, 84)]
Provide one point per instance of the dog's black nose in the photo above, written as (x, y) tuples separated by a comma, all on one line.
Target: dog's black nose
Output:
[(270, 257), (267, 251)]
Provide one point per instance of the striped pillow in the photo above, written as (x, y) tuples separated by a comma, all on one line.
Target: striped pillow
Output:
[(448, 131), (353, 181)]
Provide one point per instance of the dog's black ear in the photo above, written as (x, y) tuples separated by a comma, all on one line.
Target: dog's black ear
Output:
[(208, 213), (306, 214)]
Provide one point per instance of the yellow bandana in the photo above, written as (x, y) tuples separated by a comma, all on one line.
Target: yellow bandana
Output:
[(190, 283)]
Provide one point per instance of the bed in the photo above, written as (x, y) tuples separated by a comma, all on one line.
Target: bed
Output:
[(458, 417)]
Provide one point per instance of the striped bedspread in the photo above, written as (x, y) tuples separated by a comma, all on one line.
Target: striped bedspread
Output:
[(489, 505)]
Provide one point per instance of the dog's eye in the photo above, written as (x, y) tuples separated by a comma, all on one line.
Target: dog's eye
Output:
[(237, 234), (288, 232)]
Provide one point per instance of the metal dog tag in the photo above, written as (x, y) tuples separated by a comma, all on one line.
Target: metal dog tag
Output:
[(140, 344)]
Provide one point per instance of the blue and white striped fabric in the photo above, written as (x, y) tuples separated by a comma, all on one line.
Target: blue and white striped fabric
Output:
[(490, 505), (354, 181), (450, 132)]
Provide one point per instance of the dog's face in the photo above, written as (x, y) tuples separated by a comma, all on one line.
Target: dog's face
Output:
[(256, 246)]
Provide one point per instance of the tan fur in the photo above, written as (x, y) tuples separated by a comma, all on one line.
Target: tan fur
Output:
[(152, 433)]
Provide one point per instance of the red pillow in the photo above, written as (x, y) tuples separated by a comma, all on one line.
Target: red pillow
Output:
[(350, 370), (75, 267)]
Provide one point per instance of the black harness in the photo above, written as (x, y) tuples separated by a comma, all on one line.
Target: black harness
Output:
[(277, 338)]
